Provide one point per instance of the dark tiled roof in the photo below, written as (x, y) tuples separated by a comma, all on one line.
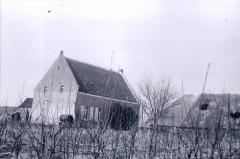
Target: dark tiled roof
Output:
[(98, 81), (27, 103)]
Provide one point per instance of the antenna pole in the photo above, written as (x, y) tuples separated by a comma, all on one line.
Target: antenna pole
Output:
[(224, 87), (112, 56)]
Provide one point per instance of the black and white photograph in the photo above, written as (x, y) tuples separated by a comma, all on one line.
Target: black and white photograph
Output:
[(119, 79)]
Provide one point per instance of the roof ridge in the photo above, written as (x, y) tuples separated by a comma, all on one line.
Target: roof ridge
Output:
[(92, 65)]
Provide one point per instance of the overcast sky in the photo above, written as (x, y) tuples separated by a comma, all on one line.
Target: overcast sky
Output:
[(165, 39)]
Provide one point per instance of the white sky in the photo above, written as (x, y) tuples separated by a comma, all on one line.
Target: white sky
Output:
[(161, 38)]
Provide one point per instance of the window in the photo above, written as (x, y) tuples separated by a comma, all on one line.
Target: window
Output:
[(235, 115), (45, 89), (99, 114), (93, 113), (61, 88), (204, 106), (86, 113)]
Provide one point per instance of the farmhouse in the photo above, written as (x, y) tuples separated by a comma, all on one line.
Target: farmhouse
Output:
[(89, 95)]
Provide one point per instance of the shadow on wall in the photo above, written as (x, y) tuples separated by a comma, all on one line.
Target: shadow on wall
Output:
[(122, 117)]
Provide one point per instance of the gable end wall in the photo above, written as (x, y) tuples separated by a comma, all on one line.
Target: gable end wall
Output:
[(50, 105)]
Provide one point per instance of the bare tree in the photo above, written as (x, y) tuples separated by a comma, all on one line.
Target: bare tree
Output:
[(156, 99)]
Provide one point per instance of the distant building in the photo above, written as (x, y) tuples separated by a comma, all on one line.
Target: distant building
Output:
[(6, 111), (211, 109), (20, 113), (88, 93), (202, 110)]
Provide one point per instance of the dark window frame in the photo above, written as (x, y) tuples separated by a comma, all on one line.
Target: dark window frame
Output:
[(45, 89), (61, 88), (86, 113)]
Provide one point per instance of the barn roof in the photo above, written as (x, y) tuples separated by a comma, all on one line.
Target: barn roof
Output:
[(216, 104), (27, 103), (182, 108), (98, 81), (187, 111)]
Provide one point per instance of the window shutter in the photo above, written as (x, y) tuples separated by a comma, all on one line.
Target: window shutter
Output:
[(91, 112), (94, 109), (81, 111), (96, 114)]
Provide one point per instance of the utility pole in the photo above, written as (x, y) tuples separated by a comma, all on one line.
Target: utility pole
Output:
[(204, 84), (203, 90), (206, 76)]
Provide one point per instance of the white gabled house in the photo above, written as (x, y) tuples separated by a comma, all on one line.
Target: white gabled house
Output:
[(87, 93)]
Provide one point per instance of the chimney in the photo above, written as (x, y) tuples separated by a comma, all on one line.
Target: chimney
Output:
[(61, 52), (121, 70)]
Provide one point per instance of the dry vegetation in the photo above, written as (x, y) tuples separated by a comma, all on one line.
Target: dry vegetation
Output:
[(27, 140), (41, 141)]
